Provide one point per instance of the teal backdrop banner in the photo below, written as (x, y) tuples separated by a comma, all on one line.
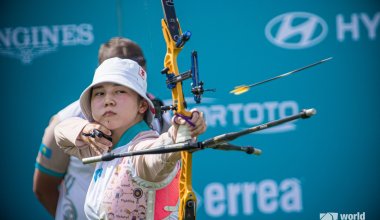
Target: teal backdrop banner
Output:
[(326, 164)]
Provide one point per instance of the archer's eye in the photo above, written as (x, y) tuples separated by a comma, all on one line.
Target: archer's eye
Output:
[(98, 93), (120, 91)]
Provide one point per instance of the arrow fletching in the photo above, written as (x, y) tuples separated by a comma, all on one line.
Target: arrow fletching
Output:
[(240, 90)]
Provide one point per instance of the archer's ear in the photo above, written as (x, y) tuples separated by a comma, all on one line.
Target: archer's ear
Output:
[(143, 106)]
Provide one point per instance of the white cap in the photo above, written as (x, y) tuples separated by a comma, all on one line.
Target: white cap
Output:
[(124, 72)]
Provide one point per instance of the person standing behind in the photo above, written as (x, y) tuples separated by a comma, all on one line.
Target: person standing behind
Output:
[(60, 181)]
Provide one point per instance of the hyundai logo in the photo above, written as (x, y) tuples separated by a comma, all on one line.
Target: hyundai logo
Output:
[(296, 30)]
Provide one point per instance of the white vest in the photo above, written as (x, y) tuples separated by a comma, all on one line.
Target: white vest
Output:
[(77, 179)]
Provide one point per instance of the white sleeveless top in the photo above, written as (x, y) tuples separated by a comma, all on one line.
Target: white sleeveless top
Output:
[(77, 178)]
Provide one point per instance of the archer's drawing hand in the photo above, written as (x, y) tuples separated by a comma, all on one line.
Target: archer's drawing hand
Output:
[(97, 137)]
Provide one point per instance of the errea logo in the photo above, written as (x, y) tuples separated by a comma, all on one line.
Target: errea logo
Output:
[(296, 30)]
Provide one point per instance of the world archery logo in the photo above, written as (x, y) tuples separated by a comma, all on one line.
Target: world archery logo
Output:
[(296, 30), (328, 216), (27, 43)]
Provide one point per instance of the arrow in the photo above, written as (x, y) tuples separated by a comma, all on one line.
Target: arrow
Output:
[(245, 88)]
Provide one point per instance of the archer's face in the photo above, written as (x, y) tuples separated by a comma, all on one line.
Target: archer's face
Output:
[(116, 107)]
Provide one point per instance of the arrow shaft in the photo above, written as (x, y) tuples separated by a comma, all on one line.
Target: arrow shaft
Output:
[(291, 72)]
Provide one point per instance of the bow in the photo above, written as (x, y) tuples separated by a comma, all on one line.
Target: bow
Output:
[(175, 40)]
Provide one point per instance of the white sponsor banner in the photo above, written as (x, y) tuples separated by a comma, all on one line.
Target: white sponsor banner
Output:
[(300, 30), (27, 43)]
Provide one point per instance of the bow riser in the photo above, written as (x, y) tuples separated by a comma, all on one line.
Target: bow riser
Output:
[(170, 62)]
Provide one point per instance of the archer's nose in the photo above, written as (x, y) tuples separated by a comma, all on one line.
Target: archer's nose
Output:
[(109, 101)]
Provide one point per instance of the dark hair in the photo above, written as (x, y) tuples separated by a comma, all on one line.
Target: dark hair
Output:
[(123, 48)]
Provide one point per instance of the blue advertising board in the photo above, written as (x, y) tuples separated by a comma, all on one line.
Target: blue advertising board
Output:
[(325, 167)]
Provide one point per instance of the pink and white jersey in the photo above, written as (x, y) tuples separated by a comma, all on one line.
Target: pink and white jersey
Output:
[(118, 192)]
